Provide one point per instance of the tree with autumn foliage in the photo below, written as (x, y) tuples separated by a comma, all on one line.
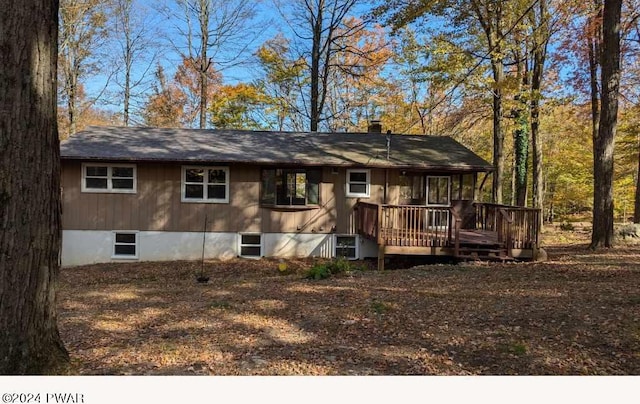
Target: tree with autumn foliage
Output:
[(238, 106), (356, 87), (281, 81), (214, 35), (82, 32), (165, 106), (320, 34)]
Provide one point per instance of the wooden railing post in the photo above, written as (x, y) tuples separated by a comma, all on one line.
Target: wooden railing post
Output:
[(509, 221), (380, 239), (457, 225)]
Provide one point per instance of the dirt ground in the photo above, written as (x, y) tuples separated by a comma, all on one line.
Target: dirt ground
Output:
[(578, 313)]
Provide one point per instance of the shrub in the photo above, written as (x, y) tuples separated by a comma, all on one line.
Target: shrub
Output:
[(325, 270), (319, 271)]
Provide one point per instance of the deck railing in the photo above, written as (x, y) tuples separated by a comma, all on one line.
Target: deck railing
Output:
[(519, 224), (425, 226), (414, 226), (368, 219), (404, 225)]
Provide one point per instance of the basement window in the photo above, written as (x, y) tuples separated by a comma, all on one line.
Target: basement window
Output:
[(125, 245), (346, 247), (251, 245)]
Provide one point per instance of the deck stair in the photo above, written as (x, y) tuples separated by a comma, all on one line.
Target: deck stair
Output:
[(476, 252)]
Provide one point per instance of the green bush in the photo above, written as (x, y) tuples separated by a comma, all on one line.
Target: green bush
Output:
[(319, 271), (325, 270)]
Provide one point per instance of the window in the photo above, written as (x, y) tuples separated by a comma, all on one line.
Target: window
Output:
[(346, 247), (468, 186), (438, 191), (462, 187), (358, 183), (109, 178), (290, 187), (205, 184), (125, 245), (251, 245), (412, 189)]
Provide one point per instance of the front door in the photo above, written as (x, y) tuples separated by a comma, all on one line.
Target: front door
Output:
[(439, 199)]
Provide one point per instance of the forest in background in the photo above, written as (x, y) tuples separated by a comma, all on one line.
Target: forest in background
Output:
[(518, 78)]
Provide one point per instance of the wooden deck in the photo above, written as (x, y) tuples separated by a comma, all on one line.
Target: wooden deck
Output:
[(478, 237), (467, 230)]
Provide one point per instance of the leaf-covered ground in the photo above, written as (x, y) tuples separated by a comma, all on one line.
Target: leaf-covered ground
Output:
[(578, 313)]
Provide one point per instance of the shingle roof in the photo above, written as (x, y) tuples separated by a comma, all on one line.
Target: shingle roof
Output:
[(265, 147)]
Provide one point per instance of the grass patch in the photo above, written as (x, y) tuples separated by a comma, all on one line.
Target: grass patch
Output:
[(380, 307), (220, 305), (516, 348)]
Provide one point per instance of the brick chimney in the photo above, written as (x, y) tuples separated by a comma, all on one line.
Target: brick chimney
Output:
[(374, 127)]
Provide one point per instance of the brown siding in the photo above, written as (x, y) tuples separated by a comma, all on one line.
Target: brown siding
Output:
[(157, 206)]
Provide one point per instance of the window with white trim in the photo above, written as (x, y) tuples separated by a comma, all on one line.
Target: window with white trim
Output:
[(205, 184), (358, 183), (346, 246), (251, 245), (116, 178), (125, 245)]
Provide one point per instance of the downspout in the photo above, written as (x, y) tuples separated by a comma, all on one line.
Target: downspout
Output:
[(386, 170), (386, 186)]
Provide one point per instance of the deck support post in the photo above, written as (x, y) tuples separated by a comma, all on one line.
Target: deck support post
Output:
[(380, 257)]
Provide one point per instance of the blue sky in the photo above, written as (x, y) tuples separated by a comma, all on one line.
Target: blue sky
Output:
[(269, 23)]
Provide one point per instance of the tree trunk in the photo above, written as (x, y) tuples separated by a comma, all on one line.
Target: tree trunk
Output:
[(29, 189), (539, 56), (636, 205), (315, 67), (204, 62), (128, 60), (603, 145), (594, 51), (521, 136), (498, 135)]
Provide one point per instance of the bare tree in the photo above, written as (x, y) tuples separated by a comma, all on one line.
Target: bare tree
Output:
[(213, 35), (135, 54), (82, 29), (29, 189), (320, 33)]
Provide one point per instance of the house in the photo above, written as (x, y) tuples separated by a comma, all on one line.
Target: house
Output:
[(169, 194)]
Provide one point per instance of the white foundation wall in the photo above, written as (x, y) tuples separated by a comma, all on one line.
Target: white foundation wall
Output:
[(171, 246), (311, 245), (297, 245), (83, 247)]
